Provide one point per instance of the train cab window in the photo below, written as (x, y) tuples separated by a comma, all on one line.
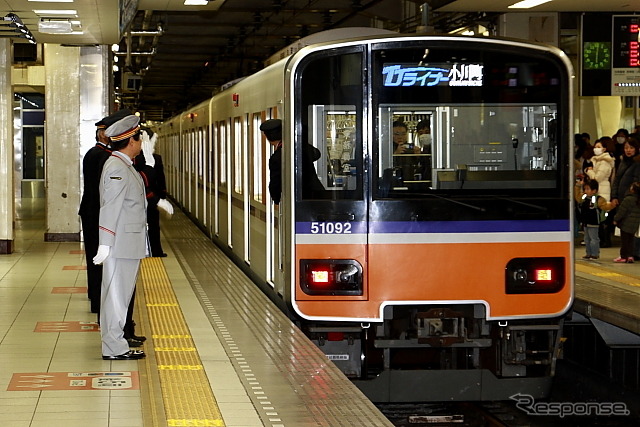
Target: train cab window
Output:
[(465, 122), (329, 135)]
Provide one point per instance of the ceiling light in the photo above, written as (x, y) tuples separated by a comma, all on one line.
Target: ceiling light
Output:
[(196, 2), (528, 4), (49, 26), (47, 12), (52, 1)]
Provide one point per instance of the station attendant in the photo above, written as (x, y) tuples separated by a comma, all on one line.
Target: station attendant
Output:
[(150, 166), (123, 236), (311, 185), (92, 164)]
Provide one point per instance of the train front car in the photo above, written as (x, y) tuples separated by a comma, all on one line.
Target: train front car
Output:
[(433, 218)]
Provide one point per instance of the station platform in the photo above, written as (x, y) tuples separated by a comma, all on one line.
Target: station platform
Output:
[(219, 353), (608, 291)]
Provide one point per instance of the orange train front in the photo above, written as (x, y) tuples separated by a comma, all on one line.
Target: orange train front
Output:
[(405, 263), (440, 250)]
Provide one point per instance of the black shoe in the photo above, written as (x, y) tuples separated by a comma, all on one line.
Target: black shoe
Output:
[(136, 337), (160, 255), (134, 343), (129, 355)]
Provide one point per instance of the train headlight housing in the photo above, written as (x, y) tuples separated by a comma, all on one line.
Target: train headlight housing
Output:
[(331, 277), (535, 275)]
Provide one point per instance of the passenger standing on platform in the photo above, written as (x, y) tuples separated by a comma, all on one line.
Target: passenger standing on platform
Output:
[(628, 171), (628, 220), (151, 169), (123, 236), (592, 207), (620, 138), (89, 211)]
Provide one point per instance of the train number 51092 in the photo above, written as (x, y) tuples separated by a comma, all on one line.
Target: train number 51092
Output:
[(330, 228)]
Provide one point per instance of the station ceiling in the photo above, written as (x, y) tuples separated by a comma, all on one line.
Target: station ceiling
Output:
[(183, 54)]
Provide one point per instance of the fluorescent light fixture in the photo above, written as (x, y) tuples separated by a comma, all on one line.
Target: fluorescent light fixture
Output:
[(52, 1), (196, 2), (528, 4), (47, 12), (54, 27)]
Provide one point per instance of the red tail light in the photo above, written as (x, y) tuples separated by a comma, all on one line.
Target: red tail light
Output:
[(535, 275), (331, 277)]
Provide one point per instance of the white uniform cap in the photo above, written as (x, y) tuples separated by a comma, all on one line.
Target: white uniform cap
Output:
[(124, 128)]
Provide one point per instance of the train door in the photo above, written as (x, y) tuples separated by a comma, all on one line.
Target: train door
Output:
[(274, 220), (200, 187), (329, 171), (224, 187)]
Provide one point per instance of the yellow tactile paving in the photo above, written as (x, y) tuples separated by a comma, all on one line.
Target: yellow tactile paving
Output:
[(186, 393), (600, 271)]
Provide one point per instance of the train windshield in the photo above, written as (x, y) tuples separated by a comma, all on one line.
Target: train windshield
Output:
[(465, 121)]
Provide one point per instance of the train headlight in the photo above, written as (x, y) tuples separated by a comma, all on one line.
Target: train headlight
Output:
[(331, 277), (535, 275)]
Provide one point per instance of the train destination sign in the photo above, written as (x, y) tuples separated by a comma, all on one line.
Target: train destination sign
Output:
[(407, 75)]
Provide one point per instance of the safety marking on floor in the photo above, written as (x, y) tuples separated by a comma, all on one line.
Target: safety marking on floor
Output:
[(74, 267), (178, 362), (76, 252), (74, 381), (66, 327), (236, 356), (600, 271), (69, 290)]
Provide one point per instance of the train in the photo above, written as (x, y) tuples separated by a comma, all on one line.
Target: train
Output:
[(436, 263)]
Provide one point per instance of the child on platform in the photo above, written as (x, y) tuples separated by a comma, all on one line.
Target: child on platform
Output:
[(592, 210)]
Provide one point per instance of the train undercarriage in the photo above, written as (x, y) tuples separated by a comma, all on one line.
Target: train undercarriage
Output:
[(444, 354)]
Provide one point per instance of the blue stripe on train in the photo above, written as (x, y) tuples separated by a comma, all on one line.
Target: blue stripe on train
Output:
[(380, 227)]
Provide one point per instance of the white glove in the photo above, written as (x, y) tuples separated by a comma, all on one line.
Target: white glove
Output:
[(166, 206), (147, 149), (103, 253)]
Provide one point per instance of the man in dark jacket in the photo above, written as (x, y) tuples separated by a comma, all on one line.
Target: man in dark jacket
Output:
[(311, 185), (92, 164)]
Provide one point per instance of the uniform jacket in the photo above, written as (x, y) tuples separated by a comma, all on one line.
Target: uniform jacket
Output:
[(628, 216), (123, 207), (275, 175), (155, 182), (92, 165)]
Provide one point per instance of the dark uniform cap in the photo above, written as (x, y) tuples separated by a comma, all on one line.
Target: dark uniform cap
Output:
[(111, 119), (123, 128), (147, 130), (272, 129)]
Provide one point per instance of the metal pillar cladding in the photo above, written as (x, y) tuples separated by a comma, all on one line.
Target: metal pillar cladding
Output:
[(6, 150), (62, 143), (95, 90)]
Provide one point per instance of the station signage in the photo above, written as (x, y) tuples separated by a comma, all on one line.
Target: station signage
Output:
[(625, 71)]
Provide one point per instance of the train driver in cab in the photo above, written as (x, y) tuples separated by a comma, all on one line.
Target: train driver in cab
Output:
[(311, 185)]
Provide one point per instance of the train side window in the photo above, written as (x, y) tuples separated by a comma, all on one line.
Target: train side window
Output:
[(223, 152), (238, 155), (329, 136), (257, 158)]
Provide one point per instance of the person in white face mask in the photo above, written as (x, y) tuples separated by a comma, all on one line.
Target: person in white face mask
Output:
[(601, 170)]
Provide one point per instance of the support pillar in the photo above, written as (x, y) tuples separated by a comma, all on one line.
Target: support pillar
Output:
[(7, 203), (62, 143)]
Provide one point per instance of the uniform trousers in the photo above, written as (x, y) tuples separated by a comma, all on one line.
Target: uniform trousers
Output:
[(90, 228), (118, 284)]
